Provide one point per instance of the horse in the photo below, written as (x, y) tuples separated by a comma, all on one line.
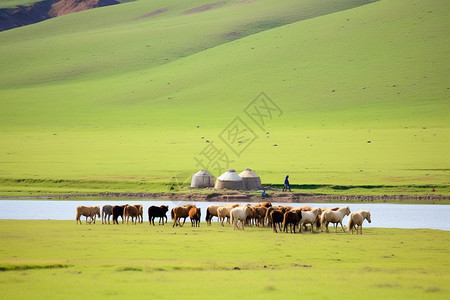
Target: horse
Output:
[(222, 213), (140, 212), (319, 217), (291, 218), (251, 216), (194, 215), (106, 213), (180, 212), (334, 217), (357, 218), (118, 212), (87, 211), (264, 204), (131, 211), (239, 214), (276, 217), (157, 212), (211, 212), (260, 213), (309, 217)]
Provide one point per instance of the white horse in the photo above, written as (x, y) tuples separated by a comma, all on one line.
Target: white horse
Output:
[(309, 217), (357, 218), (335, 217), (239, 215)]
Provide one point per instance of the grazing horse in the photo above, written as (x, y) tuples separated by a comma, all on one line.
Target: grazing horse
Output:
[(180, 212), (131, 211), (335, 217), (87, 211), (140, 212), (309, 217), (264, 204), (106, 213), (211, 212), (194, 215), (239, 215), (276, 218), (157, 212), (118, 212), (222, 213), (291, 218), (260, 213), (251, 216), (357, 218)]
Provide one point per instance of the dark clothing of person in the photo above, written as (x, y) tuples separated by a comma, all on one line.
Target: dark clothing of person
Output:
[(287, 186)]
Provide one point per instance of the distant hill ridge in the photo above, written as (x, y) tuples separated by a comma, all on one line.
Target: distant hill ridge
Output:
[(25, 15)]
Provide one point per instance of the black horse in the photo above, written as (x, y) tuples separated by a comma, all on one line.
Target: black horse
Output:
[(157, 212), (117, 211)]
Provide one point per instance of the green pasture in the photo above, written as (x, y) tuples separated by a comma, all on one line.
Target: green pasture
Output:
[(54, 259), (112, 95)]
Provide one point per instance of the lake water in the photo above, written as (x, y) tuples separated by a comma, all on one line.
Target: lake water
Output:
[(383, 215)]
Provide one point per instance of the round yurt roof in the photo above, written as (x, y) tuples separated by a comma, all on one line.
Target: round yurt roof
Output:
[(229, 175), (248, 173), (229, 180), (202, 179), (250, 179)]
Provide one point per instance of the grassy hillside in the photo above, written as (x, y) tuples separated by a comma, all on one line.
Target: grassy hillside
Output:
[(110, 95)]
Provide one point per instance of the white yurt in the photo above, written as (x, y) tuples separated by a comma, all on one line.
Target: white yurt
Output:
[(202, 179), (251, 180), (229, 180)]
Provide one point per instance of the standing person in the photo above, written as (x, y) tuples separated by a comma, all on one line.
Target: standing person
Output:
[(286, 184)]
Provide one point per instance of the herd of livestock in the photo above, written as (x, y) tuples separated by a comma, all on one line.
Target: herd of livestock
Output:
[(279, 218)]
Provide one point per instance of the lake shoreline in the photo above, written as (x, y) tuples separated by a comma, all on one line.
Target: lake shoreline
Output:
[(234, 196)]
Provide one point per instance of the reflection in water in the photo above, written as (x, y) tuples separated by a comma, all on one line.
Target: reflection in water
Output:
[(383, 215)]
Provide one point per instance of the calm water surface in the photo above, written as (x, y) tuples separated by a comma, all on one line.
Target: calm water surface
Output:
[(383, 215)]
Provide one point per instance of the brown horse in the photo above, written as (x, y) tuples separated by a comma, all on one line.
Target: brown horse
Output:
[(195, 215), (180, 212), (211, 212), (140, 212), (357, 218), (264, 204), (222, 213), (131, 211), (87, 211), (260, 214), (291, 218)]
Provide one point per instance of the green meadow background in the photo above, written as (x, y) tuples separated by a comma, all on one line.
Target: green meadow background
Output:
[(125, 94)]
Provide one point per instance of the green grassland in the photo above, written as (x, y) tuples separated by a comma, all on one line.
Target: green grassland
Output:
[(54, 259), (108, 95)]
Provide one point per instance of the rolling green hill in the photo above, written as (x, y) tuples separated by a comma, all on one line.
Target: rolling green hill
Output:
[(144, 90)]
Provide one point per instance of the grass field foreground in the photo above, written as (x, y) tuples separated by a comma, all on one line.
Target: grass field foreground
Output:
[(54, 259)]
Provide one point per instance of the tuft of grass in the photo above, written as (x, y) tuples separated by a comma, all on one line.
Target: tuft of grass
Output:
[(4, 268)]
